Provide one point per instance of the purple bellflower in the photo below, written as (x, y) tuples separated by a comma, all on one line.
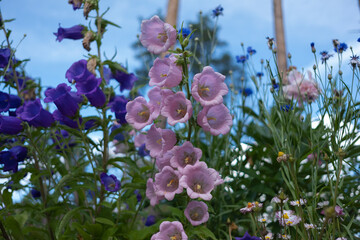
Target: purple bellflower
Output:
[(11, 158), (74, 32), (10, 125), (60, 95), (126, 80), (90, 88), (78, 71), (34, 114), (111, 183), (8, 101), (4, 57)]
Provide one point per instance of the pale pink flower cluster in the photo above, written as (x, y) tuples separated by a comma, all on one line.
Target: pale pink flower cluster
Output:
[(300, 88), (179, 166), (287, 217)]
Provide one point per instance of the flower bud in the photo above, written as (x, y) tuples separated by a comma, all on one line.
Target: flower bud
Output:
[(340, 72), (262, 61), (272, 90), (230, 72), (329, 77), (289, 55), (314, 67), (274, 50), (341, 153), (302, 118), (242, 78), (89, 37), (91, 65)]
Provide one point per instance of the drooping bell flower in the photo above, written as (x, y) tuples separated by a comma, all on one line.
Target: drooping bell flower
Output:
[(196, 212), (11, 158), (156, 35), (159, 141), (139, 113), (58, 116), (60, 95), (10, 125), (8, 101), (215, 119), (78, 72), (170, 230), (151, 192), (118, 106), (125, 80), (111, 183), (74, 32), (165, 73), (199, 180), (167, 183), (209, 87), (90, 88), (34, 114), (4, 57), (177, 108), (184, 155)]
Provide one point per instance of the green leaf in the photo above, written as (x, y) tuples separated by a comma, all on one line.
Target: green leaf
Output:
[(65, 220), (203, 232), (104, 221)]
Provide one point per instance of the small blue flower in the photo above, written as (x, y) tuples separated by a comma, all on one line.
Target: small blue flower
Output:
[(286, 108), (259, 74), (312, 44), (143, 152), (246, 91), (251, 51), (242, 58), (275, 86), (138, 195), (325, 56), (247, 236), (218, 11), (341, 47), (186, 32)]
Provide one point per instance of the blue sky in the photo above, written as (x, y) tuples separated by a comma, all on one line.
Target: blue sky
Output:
[(244, 21)]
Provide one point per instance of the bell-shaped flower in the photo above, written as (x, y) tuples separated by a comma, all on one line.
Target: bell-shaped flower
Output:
[(139, 113), (199, 180), (8, 101), (11, 158), (118, 106), (63, 100), (125, 80), (215, 119), (90, 88), (74, 32), (110, 182), (177, 108), (196, 212), (159, 141), (33, 113), (164, 160), (73, 123), (208, 87), (78, 71), (151, 192), (170, 231), (156, 35), (165, 73), (167, 183), (10, 125), (184, 155), (4, 57)]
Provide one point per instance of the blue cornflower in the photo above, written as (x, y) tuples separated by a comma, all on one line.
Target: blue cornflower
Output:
[(242, 58), (358, 39), (325, 56), (186, 32), (259, 74), (251, 51), (275, 86), (341, 47), (286, 108), (312, 45), (246, 91), (218, 11)]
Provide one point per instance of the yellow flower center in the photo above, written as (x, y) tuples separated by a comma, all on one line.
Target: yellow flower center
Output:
[(170, 183), (187, 159), (249, 205), (280, 154), (211, 118), (286, 216), (159, 141), (163, 75)]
